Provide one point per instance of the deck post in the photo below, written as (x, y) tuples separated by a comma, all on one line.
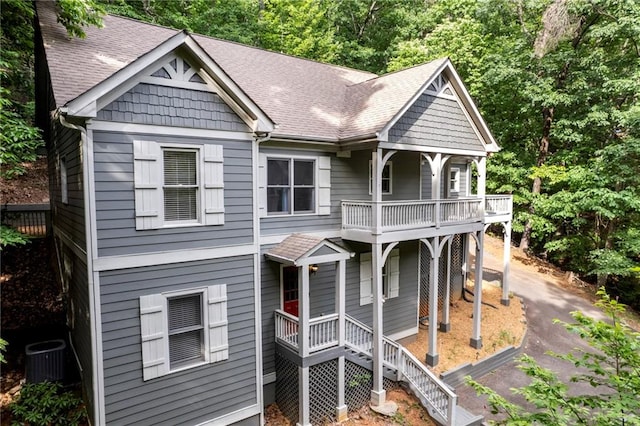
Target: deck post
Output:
[(304, 417), (340, 299), (378, 394), (342, 413), (303, 311), (445, 325), (436, 171), (476, 339), (506, 260), (432, 353), (376, 190)]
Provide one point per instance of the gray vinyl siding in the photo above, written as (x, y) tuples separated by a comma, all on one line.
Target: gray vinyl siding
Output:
[(173, 106), (349, 181), (67, 217), (399, 313), (193, 395), (269, 302), (115, 198), (80, 332), (464, 181), (270, 225), (435, 122)]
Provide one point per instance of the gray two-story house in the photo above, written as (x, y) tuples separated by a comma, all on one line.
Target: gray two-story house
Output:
[(238, 227)]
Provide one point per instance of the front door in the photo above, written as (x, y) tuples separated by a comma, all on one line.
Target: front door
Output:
[(290, 290)]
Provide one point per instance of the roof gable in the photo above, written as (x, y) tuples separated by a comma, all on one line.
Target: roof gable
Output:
[(302, 249)]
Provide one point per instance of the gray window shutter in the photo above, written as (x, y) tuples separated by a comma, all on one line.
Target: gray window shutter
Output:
[(262, 185), (218, 324), (153, 330), (393, 274), (324, 185), (148, 180), (213, 185), (366, 296)]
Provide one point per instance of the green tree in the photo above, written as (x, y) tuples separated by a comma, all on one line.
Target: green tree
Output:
[(612, 368)]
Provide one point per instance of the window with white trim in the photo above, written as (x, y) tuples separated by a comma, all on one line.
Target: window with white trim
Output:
[(386, 178), (64, 185), (294, 185), (291, 186), (178, 185), (390, 277), (183, 329), (454, 179)]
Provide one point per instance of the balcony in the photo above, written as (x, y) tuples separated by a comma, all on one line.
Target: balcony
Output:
[(421, 214)]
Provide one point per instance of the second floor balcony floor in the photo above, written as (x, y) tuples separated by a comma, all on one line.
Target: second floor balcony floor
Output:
[(359, 217)]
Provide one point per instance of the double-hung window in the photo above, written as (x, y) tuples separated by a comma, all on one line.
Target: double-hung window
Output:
[(454, 179), (183, 329), (186, 330), (181, 188), (291, 186), (178, 184), (386, 178)]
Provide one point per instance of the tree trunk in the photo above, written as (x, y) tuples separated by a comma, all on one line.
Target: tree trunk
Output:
[(543, 151)]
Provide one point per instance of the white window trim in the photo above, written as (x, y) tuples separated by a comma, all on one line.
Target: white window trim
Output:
[(155, 329), (64, 180), (392, 277), (390, 165), (291, 159), (198, 149), (149, 184), (454, 182), (322, 184)]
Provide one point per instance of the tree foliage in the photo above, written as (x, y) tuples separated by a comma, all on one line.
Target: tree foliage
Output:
[(611, 367)]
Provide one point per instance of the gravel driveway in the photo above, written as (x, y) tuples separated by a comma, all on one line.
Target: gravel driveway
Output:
[(544, 300)]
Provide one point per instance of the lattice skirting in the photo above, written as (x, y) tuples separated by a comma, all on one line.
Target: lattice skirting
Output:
[(323, 389), (457, 254)]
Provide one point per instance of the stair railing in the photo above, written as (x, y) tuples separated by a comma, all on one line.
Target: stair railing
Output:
[(430, 389)]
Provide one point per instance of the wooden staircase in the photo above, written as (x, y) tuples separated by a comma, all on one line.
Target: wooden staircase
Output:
[(401, 366)]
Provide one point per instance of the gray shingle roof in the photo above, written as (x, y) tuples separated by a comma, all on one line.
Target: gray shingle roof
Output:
[(294, 247), (306, 99)]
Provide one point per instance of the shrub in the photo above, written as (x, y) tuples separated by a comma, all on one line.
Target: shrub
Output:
[(44, 404)]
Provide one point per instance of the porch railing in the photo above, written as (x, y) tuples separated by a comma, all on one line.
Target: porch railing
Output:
[(412, 214), (499, 204), (323, 331), (323, 334), (429, 388)]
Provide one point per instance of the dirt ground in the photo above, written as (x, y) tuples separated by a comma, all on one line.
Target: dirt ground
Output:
[(30, 188)]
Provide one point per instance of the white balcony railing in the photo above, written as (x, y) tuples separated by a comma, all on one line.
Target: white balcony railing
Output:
[(414, 214), (498, 204), (323, 331)]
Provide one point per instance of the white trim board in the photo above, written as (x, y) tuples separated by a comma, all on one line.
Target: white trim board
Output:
[(111, 263), (233, 417), (113, 126)]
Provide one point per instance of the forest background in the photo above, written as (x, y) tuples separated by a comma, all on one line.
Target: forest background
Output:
[(558, 82)]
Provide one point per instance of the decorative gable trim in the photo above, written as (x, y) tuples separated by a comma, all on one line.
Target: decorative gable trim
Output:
[(457, 87), (158, 67)]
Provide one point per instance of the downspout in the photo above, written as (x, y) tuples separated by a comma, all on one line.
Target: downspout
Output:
[(257, 268), (93, 292)]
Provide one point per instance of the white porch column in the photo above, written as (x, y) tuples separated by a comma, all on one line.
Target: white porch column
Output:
[(341, 409), (303, 311), (476, 339), (482, 182), (505, 263), (436, 171), (376, 190), (445, 325), (432, 353), (378, 394), (303, 399)]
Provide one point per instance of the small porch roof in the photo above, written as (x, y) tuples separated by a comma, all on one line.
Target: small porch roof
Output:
[(303, 249)]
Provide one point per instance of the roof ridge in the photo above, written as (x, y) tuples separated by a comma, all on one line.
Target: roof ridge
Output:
[(389, 74)]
